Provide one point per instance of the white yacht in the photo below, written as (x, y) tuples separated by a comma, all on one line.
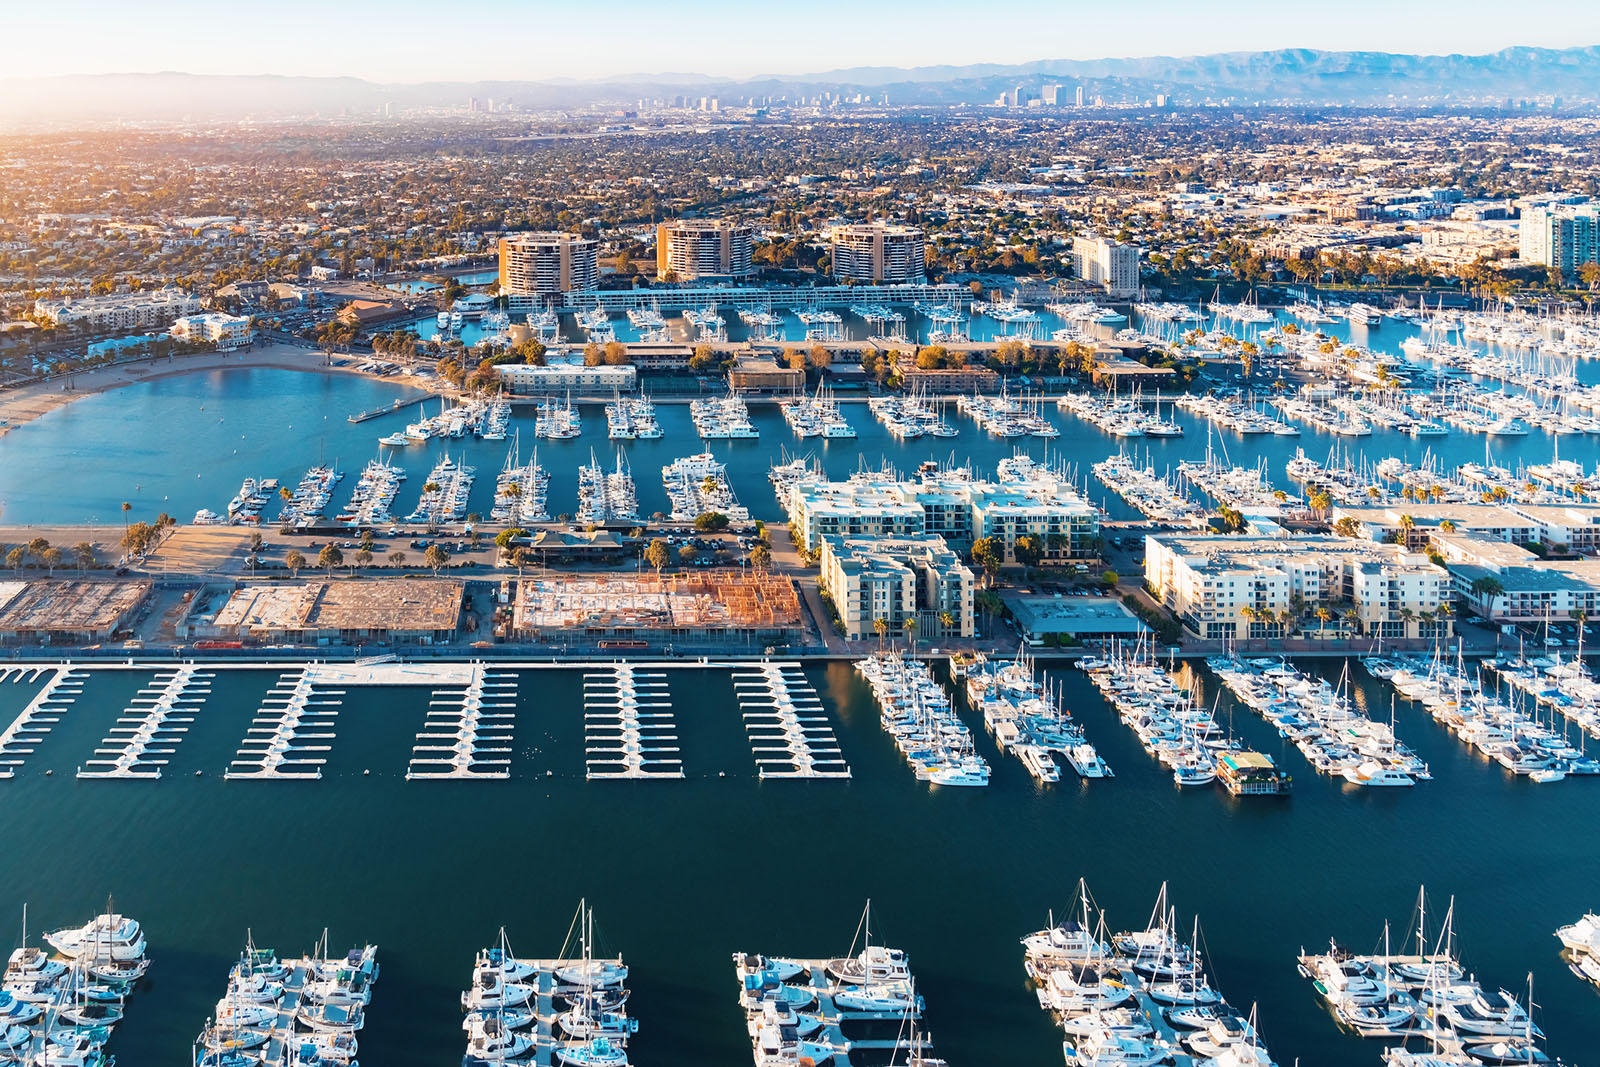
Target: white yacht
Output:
[(113, 937)]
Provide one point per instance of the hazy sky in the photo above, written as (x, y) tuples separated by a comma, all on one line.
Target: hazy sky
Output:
[(409, 41)]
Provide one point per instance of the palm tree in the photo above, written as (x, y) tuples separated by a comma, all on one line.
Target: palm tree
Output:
[(948, 621), (910, 627), (881, 625), (126, 507), (1352, 617)]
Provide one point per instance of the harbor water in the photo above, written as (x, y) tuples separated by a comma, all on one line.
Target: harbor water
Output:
[(683, 873)]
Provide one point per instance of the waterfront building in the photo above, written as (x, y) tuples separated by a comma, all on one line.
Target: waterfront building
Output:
[(537, 267), (1112, 265), (119, 311), (1560, 235), (1229, 587), (879, 252), (895, 579), (572, 377), (953, 504), (724, 607), (693, 249), (1419, 521), (213, 327), (971, 378), (1508, 583), (67, 612), (762, 374), (1074, 619), (419, 611)]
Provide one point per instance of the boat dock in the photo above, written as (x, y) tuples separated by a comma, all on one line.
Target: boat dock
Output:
[(42, 712), (151, 726), (783, 718), (800, 1006), (468, 731), (377, 413), (628, 727), (298, 709)]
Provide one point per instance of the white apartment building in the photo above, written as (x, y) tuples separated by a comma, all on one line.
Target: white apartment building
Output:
[(224, 331), (1112, 265), (535, 267), (954, 505), (1229, 587), (120, 311), (879, 252), (895, 579), (566, 377), (1563, 235), (704, 248)]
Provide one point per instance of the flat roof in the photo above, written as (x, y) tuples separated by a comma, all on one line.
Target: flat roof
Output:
[(1074, 615), (407, 604), (69, 607)]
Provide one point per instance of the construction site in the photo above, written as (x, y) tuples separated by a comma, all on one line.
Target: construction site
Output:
[(721, 606), (399, 610), (67, 612)]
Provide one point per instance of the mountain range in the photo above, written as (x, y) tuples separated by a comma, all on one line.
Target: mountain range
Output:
[(1305, 77)]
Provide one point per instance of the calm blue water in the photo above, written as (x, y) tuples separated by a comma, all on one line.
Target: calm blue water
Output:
[(683, 874)]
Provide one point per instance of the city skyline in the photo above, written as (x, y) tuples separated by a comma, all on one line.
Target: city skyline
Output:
[(407, 42)]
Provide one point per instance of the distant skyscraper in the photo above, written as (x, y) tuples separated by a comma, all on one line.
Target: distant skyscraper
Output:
[(1079, 99), (1107, 263), (1051, 95)]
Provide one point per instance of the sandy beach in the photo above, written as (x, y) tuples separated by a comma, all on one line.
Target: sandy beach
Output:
[(22, 405)]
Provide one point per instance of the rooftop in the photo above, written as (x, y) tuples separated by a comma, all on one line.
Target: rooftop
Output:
[(67, 607)]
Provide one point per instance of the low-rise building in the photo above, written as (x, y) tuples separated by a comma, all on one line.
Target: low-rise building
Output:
[(763, 374), (895, 579), (67, 613), (119, 311), (1249, 588), (349, 611), (214, 328), (1073, 619), (1507, 583), (530, 380), (1025, 500)]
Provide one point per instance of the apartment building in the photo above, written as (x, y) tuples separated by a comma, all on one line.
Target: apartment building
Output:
[(120, 311), (895, 579), (214, 328), (537, 267), (879, 252), (692, 249), (527, 379), (1227, 587), (1560, 235), (1112, 265)]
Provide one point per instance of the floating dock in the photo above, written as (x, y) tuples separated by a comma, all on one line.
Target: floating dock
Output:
[(151, 726), (43, 711), (789, 734), (468, 732), (629, 731)]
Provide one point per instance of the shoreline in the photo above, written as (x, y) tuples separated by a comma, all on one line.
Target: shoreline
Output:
[(23, 405)]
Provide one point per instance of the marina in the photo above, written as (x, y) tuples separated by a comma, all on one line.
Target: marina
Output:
[(59, 1007), (852, 1011), (1138, 998), (915, 710), (62, 686), (685, 942), (469, 729), (1028, 720)]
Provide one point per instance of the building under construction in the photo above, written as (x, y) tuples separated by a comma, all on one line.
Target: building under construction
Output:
[(720, 606)]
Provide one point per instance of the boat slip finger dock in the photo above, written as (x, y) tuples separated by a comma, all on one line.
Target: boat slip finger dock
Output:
[(151, 726), (628, 727), (789, 734)]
